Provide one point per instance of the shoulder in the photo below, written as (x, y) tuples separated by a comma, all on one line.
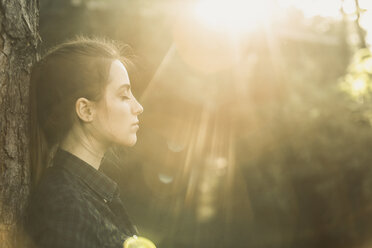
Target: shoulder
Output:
[(58, 214), (57, 185), (59, 191)]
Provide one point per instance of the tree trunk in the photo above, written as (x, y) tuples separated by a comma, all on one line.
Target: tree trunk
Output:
[(19, 41)]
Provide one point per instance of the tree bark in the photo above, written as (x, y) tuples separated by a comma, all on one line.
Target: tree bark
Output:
[(19, 41)]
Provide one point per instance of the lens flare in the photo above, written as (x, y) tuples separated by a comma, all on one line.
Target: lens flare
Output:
[(233, 16)]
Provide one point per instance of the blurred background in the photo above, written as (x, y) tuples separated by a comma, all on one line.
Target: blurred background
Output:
[(257, 129)]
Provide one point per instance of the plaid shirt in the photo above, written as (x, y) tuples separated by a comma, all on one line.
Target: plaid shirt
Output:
[(78, 206)]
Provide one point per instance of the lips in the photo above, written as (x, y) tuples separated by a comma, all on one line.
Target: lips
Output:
[(136, 125)]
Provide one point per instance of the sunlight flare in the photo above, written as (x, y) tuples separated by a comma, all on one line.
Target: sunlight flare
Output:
[(233, 16)]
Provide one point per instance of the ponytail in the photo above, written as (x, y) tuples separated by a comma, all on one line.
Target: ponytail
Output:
[(38, 146)]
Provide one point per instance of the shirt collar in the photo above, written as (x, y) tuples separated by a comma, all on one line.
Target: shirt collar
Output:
[(95, 179)]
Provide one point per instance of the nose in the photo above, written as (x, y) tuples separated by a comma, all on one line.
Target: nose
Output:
[(138, 109)]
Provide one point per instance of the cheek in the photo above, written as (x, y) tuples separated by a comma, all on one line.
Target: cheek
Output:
[(121, 129), (119, 117)]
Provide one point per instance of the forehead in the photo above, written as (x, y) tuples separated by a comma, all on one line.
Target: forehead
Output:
[(118, 75)]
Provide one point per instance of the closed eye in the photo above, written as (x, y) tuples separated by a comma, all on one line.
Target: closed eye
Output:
[(125, 97)]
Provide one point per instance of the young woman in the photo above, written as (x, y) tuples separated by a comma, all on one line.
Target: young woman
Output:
[(81, 105)]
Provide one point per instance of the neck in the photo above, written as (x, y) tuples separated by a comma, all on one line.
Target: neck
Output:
[(89, 150)]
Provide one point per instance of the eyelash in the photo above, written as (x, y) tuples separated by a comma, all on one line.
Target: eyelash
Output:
[(124, 97)]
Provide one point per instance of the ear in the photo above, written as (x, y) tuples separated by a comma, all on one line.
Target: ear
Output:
[(85, 109)]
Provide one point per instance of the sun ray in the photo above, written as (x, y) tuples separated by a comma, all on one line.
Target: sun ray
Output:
[(199, 141), (163, 64)]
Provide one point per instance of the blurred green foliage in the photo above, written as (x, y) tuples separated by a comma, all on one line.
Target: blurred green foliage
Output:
[(357, 82)]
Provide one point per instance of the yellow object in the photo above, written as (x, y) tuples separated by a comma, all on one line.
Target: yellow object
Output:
[(138, 242)]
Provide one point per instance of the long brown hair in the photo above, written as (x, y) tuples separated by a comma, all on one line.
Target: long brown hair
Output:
[(74, 69)]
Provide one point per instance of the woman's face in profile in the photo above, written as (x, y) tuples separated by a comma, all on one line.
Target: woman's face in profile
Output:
[(117, 112)]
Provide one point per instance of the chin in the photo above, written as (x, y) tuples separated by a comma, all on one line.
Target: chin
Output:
[(129, 142)]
